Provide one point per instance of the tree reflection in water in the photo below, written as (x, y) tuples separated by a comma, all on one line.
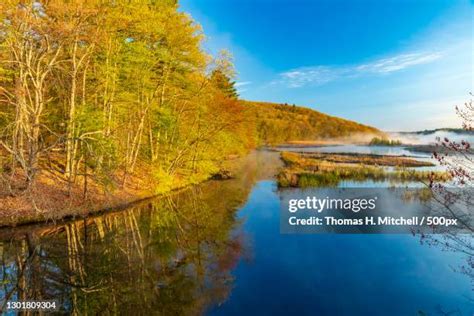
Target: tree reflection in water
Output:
[(169, 256)]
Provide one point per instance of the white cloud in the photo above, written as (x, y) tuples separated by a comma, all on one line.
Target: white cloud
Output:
[(399, 62), (243, 83), (310, 75), (318, 75)]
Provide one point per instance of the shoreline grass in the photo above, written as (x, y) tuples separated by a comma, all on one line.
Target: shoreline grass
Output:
[(318, 170), (366, 159)]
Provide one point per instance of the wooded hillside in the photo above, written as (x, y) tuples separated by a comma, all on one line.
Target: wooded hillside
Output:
[(279, 123)]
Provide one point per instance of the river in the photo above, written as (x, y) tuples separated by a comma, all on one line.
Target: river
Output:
[(216, 249)]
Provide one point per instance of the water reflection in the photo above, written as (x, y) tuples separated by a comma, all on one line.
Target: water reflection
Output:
[(170, 256)]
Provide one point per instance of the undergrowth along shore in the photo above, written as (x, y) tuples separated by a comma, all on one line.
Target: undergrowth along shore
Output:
[(52, 199), (322, 170)]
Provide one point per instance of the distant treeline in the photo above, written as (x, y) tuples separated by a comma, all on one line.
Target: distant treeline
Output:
[(101, 90), (380, 141)]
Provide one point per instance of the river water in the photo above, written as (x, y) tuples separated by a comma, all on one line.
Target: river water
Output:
[(217, 249)]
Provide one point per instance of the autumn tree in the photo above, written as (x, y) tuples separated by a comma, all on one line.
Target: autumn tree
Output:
[(223, 74), (30, 56)]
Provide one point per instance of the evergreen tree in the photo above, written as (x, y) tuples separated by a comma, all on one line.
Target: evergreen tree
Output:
[(224, 84)]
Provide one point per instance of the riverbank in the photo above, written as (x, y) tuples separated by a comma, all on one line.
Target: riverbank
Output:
[(52, 198)]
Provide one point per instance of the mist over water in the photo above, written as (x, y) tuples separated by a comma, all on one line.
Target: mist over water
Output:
[(359, 149), (431, 138)]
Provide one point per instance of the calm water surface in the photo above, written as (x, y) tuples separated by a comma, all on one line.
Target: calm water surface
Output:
[(332, 274), (217, 249)]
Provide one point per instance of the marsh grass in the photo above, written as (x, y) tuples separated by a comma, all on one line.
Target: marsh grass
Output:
[(356, 158), (320, 171)]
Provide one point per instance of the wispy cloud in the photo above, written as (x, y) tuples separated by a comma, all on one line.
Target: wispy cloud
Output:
[(318, 75), (240, 86), (399, 62), (242, 83)]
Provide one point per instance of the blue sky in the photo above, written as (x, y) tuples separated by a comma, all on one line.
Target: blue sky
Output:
[(396, 65)]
